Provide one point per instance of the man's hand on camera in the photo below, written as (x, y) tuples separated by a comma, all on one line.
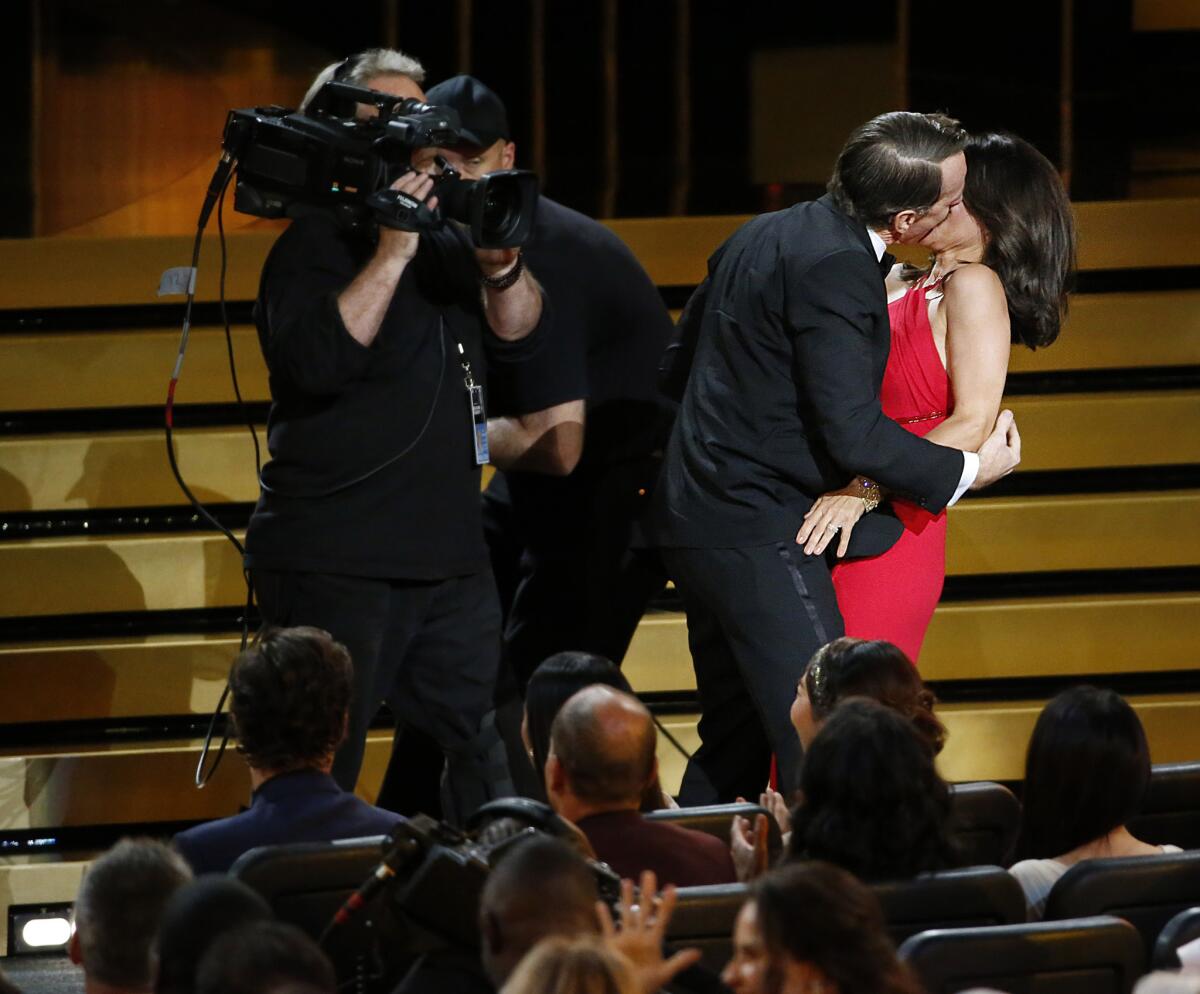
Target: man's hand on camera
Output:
[(401, 246)]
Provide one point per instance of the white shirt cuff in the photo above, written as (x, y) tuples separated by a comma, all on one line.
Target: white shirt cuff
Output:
[(970, 471)]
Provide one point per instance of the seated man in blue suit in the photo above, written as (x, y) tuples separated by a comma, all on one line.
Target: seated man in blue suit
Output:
[(289, 699)]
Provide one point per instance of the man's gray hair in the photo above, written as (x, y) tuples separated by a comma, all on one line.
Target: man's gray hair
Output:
[(118, 909), (364, 67)]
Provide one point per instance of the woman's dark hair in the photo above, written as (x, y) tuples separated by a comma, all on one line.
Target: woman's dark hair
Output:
[(1086, 772), (893, 163), (557, 679), (873, 803), (817, 913), (1016, 194), (849, 667), (289, 696)]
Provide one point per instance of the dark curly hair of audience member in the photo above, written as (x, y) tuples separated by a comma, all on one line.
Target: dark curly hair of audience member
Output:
[(850, 667), (557, 679), (873, 802), (289, 696), (1086, 772), (818, 914)]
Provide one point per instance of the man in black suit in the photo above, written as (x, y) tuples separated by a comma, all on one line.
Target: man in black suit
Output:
[(290, 702), (787, 339)]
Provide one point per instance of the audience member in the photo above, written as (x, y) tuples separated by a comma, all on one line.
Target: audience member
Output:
[(602, 757), (556, 679), (289, 699), (873, 802), (849, 667), (195, 917), (266, 957), (811, 927), (117, 913), (581, 965), (1086, 773), (540, 888)]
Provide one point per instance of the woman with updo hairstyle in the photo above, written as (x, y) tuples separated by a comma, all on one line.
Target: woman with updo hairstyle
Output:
[(872, 801), (844, 668), (811, 928), (1087, 769), (850, 667)]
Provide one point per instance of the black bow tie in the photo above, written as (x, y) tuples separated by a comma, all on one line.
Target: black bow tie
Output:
[(886, 263)]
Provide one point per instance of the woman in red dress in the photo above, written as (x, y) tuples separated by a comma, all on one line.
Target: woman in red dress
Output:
[(1002, 260)]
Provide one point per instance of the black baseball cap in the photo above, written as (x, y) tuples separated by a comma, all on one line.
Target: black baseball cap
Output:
[(484, 119)]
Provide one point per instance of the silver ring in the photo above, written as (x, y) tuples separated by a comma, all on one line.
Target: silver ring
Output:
[(834, 528)]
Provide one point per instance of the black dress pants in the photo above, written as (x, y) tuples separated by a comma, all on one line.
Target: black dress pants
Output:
[(755, 616), (431, 649)]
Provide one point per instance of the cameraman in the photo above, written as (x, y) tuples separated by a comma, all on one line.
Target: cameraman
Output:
[(368, 522), (560, 537)]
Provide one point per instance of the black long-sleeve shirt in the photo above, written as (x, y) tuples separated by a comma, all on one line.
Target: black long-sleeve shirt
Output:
[(372, 469)]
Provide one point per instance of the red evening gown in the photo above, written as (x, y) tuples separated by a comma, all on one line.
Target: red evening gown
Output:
[(892, 596)]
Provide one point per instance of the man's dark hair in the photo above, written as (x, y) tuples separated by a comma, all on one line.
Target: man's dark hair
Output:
[(118, 909), (265, 958), (1086, 772), (892, 164), (817, 913), (556, 680), (196, 916), (605, 765), (289, 696), (540, 887), (1018, 198), (850, 667), (874, 803)]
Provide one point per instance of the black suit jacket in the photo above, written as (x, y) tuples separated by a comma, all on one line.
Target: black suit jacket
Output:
[(303, 806), (790, 339)]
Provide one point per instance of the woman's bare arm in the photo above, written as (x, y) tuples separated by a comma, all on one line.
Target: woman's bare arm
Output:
[(977, 347)]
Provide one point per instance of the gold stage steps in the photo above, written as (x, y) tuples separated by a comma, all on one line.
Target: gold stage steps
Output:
[(997, 639), (129, 468), (124, 368), (152, 781), (161, 572)]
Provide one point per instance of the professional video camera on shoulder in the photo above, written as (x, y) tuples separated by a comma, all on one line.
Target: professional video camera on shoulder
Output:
[(325, 157)]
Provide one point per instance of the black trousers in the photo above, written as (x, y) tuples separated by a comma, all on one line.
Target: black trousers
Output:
[(754, 618), (430, 649)]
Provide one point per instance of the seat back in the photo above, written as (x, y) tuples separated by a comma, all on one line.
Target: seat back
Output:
[(978, 895), (1179, 931), (1147, 891), (985, 817), (717, 819), (703, 920), (1100, 955), (1171, 811), (306, 882)]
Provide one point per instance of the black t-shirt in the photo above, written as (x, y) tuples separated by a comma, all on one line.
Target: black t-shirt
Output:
[(610, 328), (372, 469)]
